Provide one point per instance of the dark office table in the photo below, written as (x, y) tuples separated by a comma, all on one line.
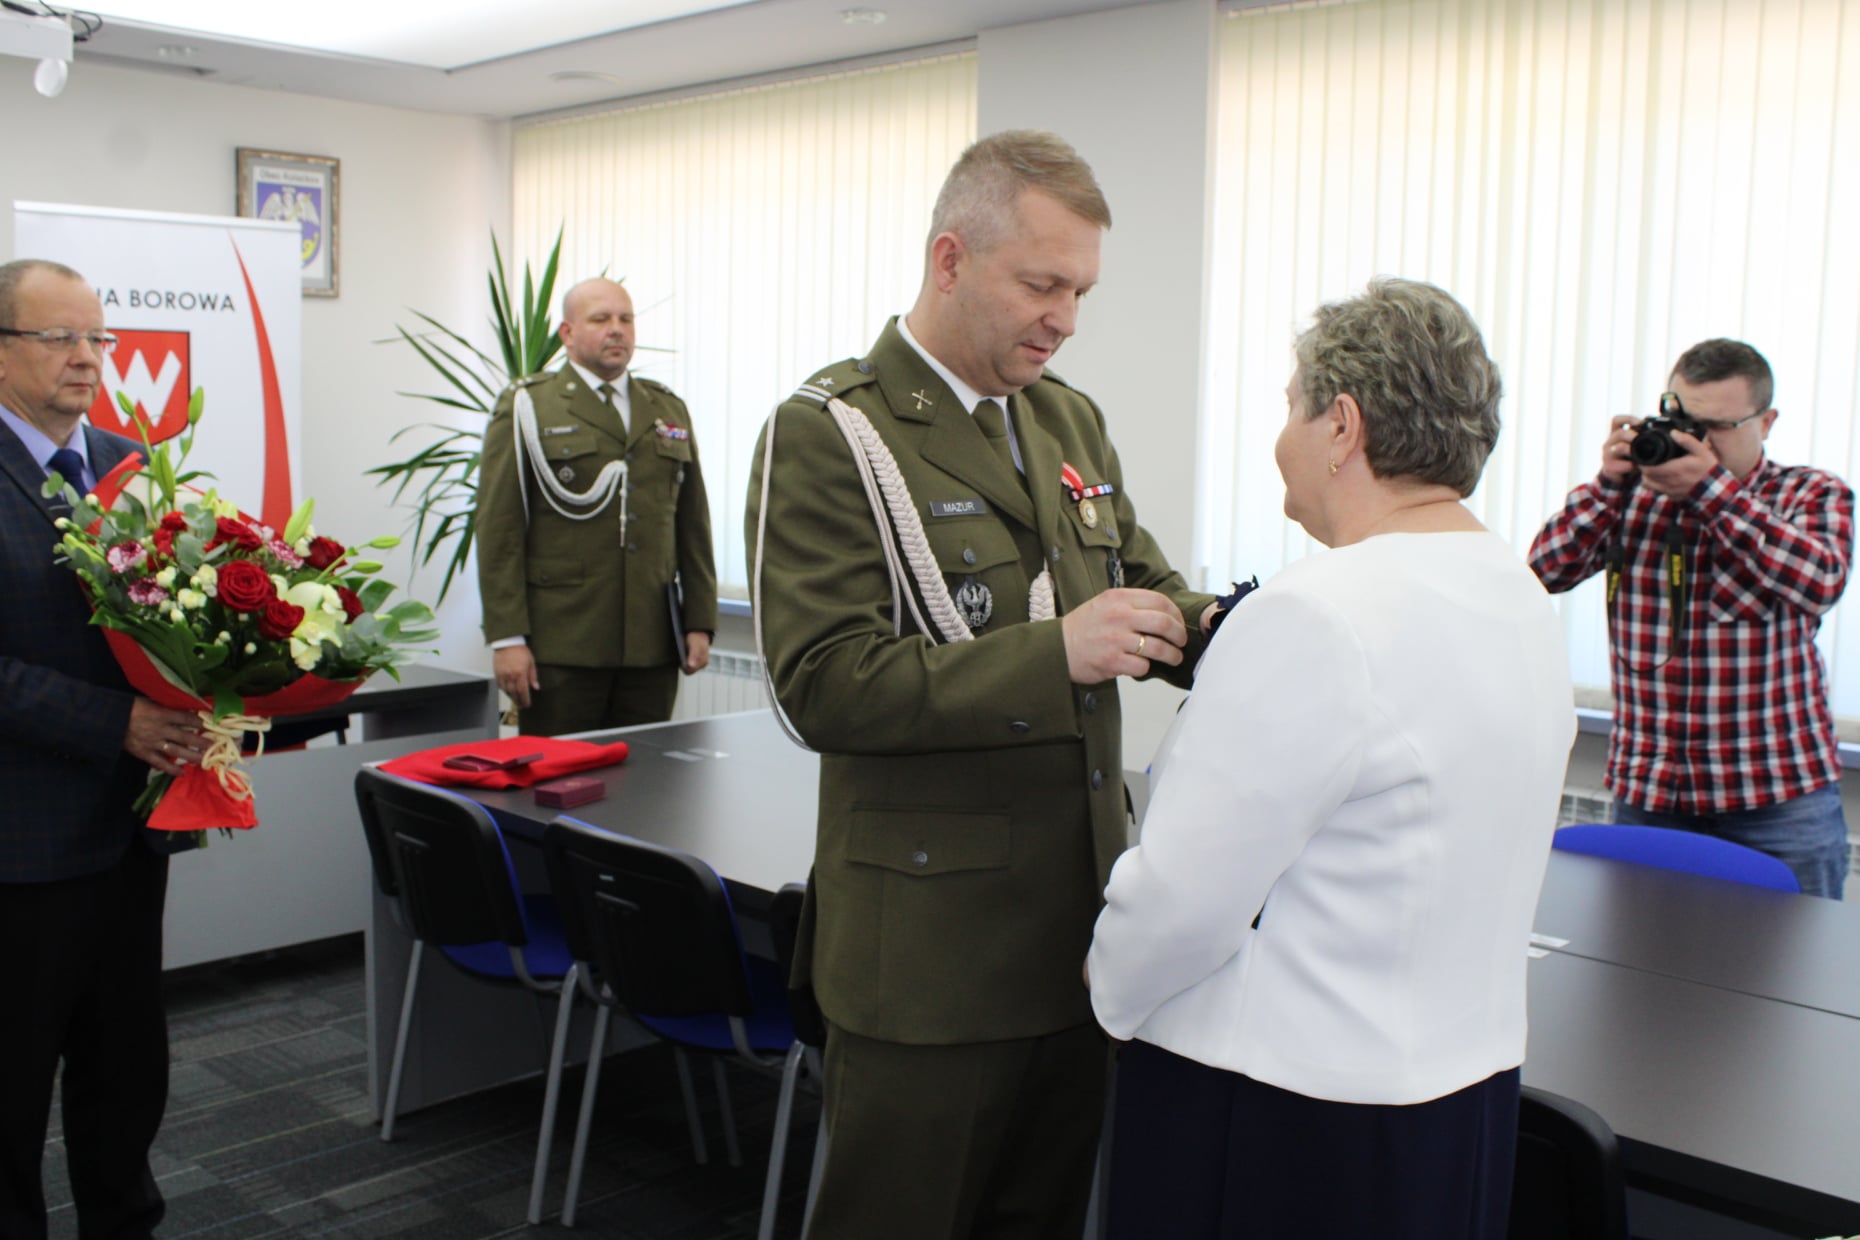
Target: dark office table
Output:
[(1739, 1103), (1796, 949), (731, 789), (1727, 1087)]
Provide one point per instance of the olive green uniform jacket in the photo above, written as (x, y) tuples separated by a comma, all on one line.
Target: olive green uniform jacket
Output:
[(971, 797), (573, 590)]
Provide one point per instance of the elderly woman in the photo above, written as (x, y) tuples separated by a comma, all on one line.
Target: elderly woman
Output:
[(1319, 945)]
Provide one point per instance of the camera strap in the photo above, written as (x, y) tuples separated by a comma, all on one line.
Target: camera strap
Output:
[(1673, 555)]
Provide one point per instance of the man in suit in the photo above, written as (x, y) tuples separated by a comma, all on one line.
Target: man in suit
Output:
[(590, 504), (81, 883), (949, 639)]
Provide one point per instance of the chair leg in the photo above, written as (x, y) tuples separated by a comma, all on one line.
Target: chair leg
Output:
[(730, 1143), (820, 1145), (392, 1102), (552, 1093), (778, 1142), (698, 1147), (596, 1053)]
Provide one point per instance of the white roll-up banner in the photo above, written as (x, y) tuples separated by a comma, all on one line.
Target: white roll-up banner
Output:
[(195, 301)]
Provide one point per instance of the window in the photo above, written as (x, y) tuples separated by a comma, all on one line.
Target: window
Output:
[(763, 233), (1601, 182)]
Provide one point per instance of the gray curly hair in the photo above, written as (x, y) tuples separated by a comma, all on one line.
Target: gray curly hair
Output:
[(1415, 362)]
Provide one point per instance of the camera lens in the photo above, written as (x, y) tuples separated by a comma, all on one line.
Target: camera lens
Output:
[(1652, 445)]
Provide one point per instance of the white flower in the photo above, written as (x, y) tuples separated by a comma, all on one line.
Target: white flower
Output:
[(176, 614), (305, 653), (165, 578), (207, 580), (193, 600), (224, 639), (225, 508), (323, 615), (251, 647), (281, 584)]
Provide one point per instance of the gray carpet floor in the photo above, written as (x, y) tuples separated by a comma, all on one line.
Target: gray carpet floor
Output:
[(268, 1131)]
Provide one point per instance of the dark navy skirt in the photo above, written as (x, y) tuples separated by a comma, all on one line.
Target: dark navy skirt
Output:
[(1197, 1152)]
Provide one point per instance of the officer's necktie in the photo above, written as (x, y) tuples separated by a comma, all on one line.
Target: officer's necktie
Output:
[(993, 423), (70, 466), (606, 391)]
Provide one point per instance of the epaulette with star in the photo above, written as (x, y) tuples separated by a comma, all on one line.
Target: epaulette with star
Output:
[(528, 380), (835, 380)]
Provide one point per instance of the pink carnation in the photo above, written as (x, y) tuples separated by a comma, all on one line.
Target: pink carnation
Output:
[(125, 556), (282, 553), (145, 592)]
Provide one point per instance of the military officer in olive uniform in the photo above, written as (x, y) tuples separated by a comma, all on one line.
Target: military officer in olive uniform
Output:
[(590, 501), (909, 543)]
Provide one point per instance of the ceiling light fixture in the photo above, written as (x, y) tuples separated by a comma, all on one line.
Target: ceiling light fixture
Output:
[(47, 37), (584, 75)]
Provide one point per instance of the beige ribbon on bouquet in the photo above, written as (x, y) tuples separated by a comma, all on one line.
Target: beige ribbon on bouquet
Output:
[(224, 756)]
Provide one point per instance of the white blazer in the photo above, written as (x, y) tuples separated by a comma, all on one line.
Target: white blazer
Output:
[(1371, 761)]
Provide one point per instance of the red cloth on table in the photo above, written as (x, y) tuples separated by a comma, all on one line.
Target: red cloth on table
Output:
[(559, 757)]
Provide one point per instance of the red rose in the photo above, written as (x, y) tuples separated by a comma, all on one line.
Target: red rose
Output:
[(163, 541), (323, 553), (174, 522), (351, 602), (279, 619), (244, 586), (238, 533)]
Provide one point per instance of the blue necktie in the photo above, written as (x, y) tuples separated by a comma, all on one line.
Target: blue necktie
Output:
[(70, 466)]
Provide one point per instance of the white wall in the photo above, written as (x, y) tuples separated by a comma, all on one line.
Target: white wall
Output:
[(420, 193), (1133, 90)]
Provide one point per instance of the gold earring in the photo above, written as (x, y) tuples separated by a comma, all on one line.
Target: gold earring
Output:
[(1333, 469)]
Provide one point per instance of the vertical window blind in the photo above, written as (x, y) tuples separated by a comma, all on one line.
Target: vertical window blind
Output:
[(763, 232), (1601, 182)]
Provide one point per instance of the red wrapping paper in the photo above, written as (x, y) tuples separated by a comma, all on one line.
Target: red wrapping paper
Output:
[(559, 757), (196, 799)]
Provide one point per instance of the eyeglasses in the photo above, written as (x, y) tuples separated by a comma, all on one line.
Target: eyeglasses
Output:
[(1720, 424), (64, 339)]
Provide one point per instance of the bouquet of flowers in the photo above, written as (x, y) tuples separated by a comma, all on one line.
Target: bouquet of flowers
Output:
[(206, 609)]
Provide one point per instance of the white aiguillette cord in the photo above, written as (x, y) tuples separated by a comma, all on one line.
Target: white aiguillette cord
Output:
[(901, 536), (610, 481)]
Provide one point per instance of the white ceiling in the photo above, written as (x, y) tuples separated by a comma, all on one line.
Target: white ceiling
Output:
[(744, 40)]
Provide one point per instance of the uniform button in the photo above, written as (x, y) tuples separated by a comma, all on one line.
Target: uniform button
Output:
[(864, 367), (1097, 780), (1055, 553), (920, 858), (968, 555), (632, 546), (1091, 703), (1020, 727)]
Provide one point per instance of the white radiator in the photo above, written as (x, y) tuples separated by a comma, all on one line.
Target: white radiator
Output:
[(1585, 805), (732, 682)]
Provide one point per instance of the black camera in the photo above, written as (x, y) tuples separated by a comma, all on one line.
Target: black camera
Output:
[(1653, 442)]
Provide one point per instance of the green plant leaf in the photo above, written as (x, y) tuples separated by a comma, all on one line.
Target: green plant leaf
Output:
[(440, 478)]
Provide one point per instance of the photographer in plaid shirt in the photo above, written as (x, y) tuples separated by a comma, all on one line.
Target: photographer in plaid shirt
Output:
[(1722, 721)]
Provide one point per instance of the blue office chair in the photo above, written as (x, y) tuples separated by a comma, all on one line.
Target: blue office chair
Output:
[(810, 1038), (442, 860), (1671, 849), (653, 935), (1568, 1183)]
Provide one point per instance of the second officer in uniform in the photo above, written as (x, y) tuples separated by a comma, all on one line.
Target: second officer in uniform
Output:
[(590, 502)]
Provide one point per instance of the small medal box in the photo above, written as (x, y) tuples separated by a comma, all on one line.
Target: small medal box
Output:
[(570, 791)]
